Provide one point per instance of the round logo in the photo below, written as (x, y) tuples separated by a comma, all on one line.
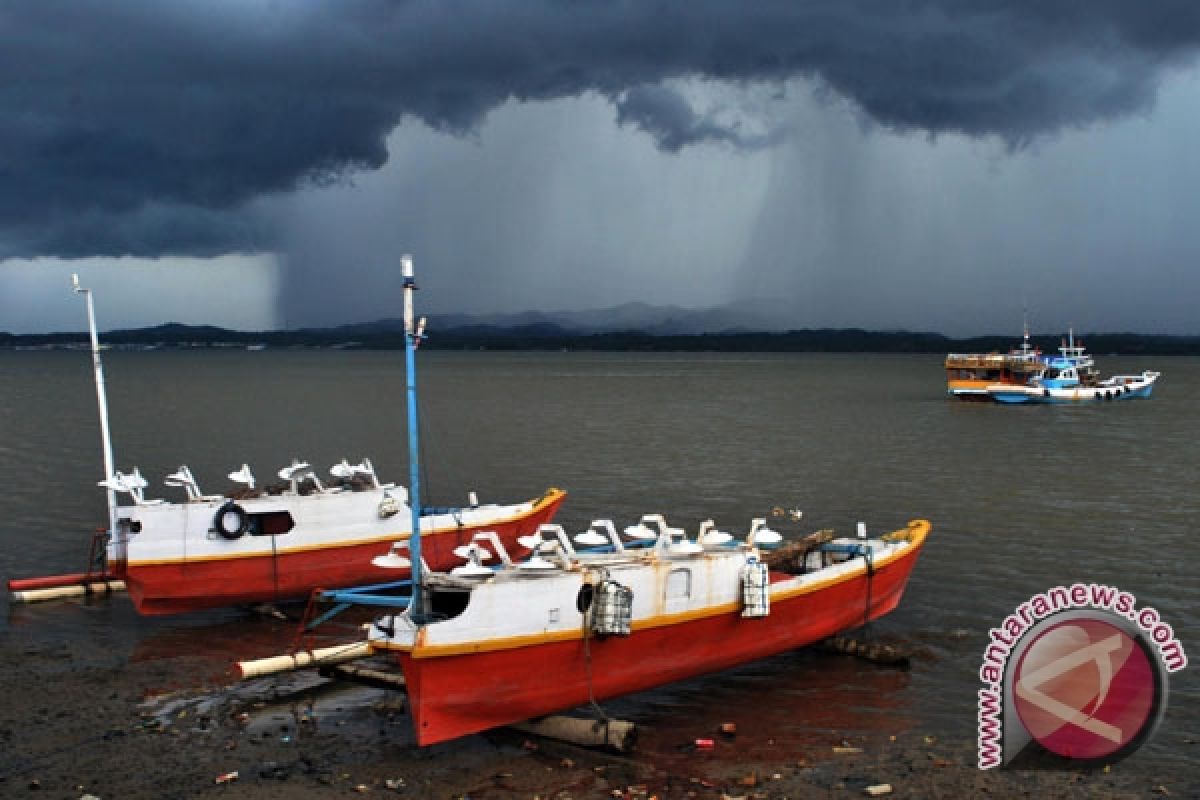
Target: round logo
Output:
[(1086, 689)]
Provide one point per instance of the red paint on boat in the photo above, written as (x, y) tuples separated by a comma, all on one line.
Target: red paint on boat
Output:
[(184, 586), (449, 700)]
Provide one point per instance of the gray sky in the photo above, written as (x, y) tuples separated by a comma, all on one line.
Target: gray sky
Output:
[(926, 165)]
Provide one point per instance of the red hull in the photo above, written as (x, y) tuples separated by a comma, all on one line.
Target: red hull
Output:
[(215, 583), (449, 700)]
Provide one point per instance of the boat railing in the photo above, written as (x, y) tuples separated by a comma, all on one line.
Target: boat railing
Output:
[(761, 535), (1125, 380), (299, 472), (993, 360), (131, 483), (710, 538)]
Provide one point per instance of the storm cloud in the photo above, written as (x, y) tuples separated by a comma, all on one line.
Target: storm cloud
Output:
[(151, 128)]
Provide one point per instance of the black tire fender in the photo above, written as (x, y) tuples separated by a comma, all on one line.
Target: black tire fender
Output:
[(231, 520), (583, 600)]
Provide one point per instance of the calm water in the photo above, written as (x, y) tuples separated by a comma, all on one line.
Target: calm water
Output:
[(1021, 499)]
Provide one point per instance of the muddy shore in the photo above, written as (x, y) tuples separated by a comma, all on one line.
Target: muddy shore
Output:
[(74, 724)]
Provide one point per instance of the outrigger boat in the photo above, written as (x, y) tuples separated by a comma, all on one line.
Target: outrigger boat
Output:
[(572, 626), (482, 646), (1072, 377), (254, 545), (273, 546)]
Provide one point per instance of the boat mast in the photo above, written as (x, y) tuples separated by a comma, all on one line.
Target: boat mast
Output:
[(412, 338), (102, 403)]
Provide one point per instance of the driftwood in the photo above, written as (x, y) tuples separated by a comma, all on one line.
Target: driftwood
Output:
[(380, 679), (792, 556), (614, 734)]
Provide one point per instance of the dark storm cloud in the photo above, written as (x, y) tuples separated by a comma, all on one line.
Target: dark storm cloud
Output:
[(666, 115), (148, 127)]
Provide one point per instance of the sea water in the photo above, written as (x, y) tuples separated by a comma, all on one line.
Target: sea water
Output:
[(1021, 498)]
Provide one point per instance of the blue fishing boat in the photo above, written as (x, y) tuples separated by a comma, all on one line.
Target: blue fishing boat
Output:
[(1072, 377)]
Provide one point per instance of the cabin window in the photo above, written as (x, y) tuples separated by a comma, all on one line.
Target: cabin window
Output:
[(679, 584), (447, 603), (271, 523)]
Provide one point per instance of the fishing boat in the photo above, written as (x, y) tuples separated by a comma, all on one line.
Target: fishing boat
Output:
[(280, 544), (1072, 377), (483, 645), (268, 544), (968, 375)]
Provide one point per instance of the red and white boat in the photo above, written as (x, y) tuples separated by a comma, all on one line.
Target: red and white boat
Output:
[(256, 546), (482, 647), (270, 546)]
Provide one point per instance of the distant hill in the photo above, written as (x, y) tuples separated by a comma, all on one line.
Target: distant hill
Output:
[(632, 326), (626, 318)]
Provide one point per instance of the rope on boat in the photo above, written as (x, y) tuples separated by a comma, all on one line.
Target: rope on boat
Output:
[(587, 660), (275, 566), (869, 558), (901, 535), (588, 613)]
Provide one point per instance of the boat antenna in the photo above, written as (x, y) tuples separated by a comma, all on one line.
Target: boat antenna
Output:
[(102, 403), (413, 331)]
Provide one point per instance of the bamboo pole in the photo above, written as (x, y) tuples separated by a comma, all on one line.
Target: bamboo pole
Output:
[(63, 592), (874, 652), (257, 668)]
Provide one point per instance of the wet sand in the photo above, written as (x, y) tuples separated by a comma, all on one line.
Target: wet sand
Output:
[(74, 724)]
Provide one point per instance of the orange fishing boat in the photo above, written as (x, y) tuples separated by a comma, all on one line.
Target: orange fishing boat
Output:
[(968, 375)]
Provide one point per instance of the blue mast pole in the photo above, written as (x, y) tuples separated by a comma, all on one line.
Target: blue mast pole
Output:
[(412, 337)]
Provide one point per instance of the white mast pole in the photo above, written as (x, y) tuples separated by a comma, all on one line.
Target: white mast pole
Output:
[(101, 402)]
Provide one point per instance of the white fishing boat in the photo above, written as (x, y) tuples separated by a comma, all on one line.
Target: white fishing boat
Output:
[(258, 544)]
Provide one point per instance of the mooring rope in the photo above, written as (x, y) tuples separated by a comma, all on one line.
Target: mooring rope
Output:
[(587, 660), (275, 565), (869, 558)]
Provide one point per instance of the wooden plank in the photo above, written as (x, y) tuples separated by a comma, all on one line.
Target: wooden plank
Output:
[(371, 677)]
